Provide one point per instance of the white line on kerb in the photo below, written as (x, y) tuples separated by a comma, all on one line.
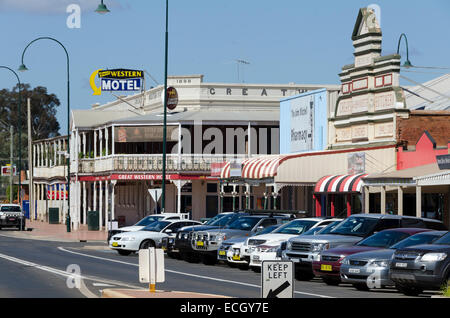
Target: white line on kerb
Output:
[(187, 274)]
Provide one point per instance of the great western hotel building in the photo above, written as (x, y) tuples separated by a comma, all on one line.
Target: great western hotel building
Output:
[(116, 151)]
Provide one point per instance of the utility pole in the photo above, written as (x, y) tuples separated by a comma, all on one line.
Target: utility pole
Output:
[(11, 149), (30, 163)]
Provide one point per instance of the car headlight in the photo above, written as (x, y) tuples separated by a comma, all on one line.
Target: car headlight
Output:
[(318, 247), (128, 238), (380, 263), (288, 245), (433, 257), (219, 237)]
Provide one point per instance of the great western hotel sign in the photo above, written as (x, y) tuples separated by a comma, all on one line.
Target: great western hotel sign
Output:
[(117, 80)]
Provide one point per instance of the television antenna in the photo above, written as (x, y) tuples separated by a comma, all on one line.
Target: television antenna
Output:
[(238, 63)]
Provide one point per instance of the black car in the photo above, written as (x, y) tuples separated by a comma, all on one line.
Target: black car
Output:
[(422, 267)]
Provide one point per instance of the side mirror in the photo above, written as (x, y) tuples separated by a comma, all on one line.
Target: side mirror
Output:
[(168, 231), (259, 228)]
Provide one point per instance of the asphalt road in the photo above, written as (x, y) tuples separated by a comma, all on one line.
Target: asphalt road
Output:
[(45, 269)]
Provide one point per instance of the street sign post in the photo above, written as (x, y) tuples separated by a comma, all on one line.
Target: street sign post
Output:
[(277, 279), (151, 267)]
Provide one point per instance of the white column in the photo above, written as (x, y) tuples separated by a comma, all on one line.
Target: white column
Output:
[(84, 144), (179, 196), (106, 142), (106, 205), (95, 196), (418, 201), (366, 200), (55, 149), (100, 200), (95, 143), (400, 200), (112, 142), (113, 197), (100, 136), (84, 203), (383, 200)]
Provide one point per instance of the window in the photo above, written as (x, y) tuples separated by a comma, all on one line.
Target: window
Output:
[(412, 222), (268, 222), (385, 224)]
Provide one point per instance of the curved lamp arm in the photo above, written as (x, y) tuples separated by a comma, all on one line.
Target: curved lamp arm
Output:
[(407, 62)]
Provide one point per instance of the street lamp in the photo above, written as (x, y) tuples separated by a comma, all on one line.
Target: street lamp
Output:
[(163, 193), (22, 67), (19, 128), (102, 9), (407, 63)]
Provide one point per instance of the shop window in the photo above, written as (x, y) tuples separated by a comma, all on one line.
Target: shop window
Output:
[(211, 187)]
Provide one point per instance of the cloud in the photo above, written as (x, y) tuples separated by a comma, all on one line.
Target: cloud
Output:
[(53, 6)]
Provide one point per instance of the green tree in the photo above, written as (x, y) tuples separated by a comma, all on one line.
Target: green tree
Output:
[(43, 119)]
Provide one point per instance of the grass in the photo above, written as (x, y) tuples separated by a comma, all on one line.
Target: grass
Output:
[(446, 291)]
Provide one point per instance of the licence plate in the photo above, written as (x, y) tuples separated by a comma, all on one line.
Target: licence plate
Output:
[(12, 219), (327, 268), (403, 265), (200, 243), (222, 253), (354, 270), (115, 244), (236, 258), (164, 248)]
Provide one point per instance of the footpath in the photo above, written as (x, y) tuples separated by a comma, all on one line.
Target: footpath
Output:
[(38, 230)]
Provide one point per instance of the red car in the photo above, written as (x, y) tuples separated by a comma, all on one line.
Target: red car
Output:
[(330, 260)]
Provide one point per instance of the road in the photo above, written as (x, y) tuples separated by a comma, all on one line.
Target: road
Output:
[(44, 269)]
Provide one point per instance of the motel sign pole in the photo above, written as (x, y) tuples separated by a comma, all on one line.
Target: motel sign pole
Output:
[(163, 194)]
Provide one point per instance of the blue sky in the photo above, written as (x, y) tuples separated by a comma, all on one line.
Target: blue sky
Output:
[(284, 41)]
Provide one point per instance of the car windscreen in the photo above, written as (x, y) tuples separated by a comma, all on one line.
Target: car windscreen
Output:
[(214, 219), (10, 208), (148, 220), (330, 227), (268, 229), (314, 230), (227, 219), (445, 240), (417, 239), (383, 239), (296, 227), (156, 226), (243, 223), (356, 226)]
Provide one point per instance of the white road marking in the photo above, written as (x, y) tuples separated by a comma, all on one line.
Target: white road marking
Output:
[(83, 289), (187, 274)]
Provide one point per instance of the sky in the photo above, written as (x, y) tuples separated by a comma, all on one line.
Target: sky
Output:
[(306, 42)]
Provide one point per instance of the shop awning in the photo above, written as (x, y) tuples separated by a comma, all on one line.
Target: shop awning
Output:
[(254, 168), (340, 183)]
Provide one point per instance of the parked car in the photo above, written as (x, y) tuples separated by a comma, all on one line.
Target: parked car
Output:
[(367, 270), (303, 250), (207, 242), (235, 251), (422, 267), (179, 246), (329, 264), (147, 221), (11, 215), (265, 247), (127, 242)]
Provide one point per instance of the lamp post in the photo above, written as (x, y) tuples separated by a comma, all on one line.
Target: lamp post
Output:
[(19, 128), (22, 67), (407, 63), (102, 9)]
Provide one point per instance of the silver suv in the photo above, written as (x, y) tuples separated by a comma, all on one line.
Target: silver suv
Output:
[(207, 242), (11, 215), (303, 250)]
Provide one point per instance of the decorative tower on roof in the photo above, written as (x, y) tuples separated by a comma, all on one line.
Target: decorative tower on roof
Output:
[(370, 97)]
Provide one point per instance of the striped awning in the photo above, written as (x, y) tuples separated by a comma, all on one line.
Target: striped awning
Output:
[(255, 168), (340, 183)]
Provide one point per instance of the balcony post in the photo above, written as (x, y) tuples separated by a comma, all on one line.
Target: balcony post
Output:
[(106, 140), (100, 137), (95, 144), (100, 209)]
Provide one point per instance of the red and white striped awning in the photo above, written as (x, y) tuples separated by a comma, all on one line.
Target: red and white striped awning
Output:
[(255, 168), (340, 183)]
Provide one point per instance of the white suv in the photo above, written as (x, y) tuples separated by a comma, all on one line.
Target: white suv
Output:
[(11, 215)]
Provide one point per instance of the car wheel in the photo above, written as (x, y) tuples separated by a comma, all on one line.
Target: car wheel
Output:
[(209, 260), (304, 276), (146, 244), (256, 269), (409, 290), (361, 287), (124, 253), (331, 281)]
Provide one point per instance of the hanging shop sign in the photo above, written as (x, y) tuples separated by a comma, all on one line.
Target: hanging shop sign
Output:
[(117, 80), (172, 98)]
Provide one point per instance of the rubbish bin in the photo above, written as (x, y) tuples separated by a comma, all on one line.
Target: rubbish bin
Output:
[(53, 215), (92, 219)]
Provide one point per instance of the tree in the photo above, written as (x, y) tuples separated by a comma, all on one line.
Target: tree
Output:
[(43, 119)]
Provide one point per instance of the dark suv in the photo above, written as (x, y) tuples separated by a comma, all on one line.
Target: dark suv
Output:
[(422, 267)]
